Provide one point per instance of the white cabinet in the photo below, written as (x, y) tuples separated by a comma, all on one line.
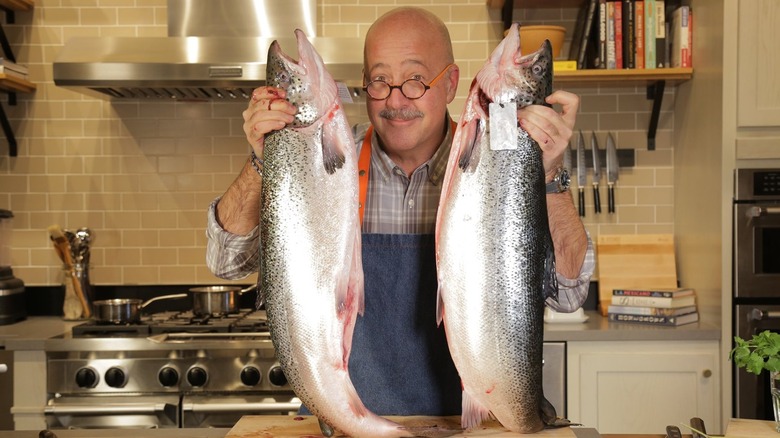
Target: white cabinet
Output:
[(641, 387), (758, 90), (759, 61)]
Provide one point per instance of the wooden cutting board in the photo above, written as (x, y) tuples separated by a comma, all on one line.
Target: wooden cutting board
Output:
[(282, 426), (741, 428), (638, 261)]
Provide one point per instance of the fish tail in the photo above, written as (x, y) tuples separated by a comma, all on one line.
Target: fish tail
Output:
[(473, 412)]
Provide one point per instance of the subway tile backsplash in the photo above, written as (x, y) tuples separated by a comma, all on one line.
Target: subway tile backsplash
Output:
[(141, 175)]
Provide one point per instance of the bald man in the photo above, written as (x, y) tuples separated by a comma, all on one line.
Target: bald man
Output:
[(400, 363)]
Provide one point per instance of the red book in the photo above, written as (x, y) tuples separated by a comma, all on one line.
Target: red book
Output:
[(639, 36), (618, 15)]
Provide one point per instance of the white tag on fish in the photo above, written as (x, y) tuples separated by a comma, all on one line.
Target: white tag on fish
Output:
[(503, 125), (344, 93)]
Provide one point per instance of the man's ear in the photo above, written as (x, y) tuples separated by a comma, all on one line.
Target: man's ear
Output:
[(452, 82)]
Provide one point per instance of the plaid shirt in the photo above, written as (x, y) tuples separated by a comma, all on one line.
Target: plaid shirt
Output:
[(395, 204)]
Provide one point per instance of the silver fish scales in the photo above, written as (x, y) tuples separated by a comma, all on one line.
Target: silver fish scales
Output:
[(495, 258), (310, 262)]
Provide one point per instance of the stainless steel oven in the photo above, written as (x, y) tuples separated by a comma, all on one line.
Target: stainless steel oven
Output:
[(170, 370), (757, 233), (756, 269)]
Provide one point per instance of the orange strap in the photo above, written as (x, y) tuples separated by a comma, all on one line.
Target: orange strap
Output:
[(364, 163)]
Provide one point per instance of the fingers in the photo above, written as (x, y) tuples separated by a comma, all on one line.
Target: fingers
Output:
[(550, 129), (267, 111)]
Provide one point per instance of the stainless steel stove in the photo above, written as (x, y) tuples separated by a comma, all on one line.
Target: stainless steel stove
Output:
[(172, 369)]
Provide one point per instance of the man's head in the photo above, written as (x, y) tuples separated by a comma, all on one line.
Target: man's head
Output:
[(410, 43)]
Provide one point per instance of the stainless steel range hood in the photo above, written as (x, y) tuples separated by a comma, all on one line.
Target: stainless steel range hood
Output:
[(214, 50)]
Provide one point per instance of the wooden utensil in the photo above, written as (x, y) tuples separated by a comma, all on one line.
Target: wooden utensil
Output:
[(62, 246)]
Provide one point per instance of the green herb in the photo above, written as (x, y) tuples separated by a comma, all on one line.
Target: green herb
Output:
[(762, 352)]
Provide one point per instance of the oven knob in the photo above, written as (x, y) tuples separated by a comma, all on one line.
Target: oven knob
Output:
[(115, 377), (168, 376), (197, 376), (86, 378), (277, 377), (250, 376)]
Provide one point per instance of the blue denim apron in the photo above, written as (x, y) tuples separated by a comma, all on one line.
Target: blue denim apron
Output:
[(400, 363)]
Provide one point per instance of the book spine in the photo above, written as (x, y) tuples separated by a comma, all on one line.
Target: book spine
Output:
[(660, 34), (588, 33), (650, 34), (645, 319), (642, 293), (602, 34), (639, 34), (610, 25), (643, 301), (688, 58), (635, 310), (576, 37), (629, 44), (618, 34)]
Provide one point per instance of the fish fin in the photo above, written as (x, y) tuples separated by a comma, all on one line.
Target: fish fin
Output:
[(350, 299), (473, 413), (439, 306), (472, 129), (355, 403), (325, 428), (335, 139), (550, 417), (550, 284)]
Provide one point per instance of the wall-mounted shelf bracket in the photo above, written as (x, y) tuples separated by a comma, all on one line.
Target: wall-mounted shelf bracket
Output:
[(655, 92), (9, 133)]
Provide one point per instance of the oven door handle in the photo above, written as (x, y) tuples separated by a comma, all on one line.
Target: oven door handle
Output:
[(757, 211), (150, 408), (213, 408)]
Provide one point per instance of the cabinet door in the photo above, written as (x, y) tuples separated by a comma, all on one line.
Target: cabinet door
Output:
[(759, 62), (642, 387)]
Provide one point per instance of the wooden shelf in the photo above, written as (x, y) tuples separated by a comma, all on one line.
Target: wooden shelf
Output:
[(17, 5), (12, 84), (617, 78)]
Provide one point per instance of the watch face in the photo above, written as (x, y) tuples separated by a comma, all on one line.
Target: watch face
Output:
[(565, 180)]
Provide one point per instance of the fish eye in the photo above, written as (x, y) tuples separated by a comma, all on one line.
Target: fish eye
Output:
[(537, 69)]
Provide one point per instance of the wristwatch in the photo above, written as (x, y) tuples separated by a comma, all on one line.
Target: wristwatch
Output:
[(560, 183)]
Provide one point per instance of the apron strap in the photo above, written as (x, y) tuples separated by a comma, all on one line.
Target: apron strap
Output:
[(364, 164)]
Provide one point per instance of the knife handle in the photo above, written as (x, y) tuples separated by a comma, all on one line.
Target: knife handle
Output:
[(611, 198), (596, 198), (581, 203)]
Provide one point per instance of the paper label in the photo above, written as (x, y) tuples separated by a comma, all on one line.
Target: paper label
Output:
[(344, 94), (503, 126)]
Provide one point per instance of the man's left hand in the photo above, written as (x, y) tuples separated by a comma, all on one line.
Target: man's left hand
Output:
[(551, 129)]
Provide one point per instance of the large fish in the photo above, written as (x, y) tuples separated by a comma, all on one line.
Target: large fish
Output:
[(310, 262), (495, 258)]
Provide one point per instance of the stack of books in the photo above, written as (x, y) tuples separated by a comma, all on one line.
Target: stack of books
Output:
[(670, 307), (11, 68)]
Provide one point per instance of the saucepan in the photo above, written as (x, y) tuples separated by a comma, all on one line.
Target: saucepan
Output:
[(124, 310), (217, 300)]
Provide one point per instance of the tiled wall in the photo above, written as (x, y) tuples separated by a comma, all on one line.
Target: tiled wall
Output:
[(140, 175)]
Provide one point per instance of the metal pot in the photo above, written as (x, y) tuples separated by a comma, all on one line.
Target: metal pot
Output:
[(216, 300), (124, 310)]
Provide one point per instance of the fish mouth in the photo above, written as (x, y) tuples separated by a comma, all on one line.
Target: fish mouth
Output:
[(296, 66)]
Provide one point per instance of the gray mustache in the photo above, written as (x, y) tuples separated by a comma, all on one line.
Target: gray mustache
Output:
[(400, 114)]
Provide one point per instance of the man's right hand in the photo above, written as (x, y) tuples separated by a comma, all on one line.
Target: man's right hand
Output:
[(267, 111)]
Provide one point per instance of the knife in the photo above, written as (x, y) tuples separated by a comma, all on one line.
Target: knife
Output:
[(612, 172), (581, 173), (594, 148)]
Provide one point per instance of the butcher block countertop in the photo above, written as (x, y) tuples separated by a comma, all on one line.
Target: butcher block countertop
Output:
[(269, 426)]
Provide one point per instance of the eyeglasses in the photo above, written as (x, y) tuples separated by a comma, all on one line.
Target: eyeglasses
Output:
[(411, 88)]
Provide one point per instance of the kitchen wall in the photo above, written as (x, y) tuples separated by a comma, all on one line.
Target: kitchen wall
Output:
[(141, 175)]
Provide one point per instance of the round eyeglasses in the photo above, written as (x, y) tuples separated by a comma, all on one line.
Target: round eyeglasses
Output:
[(411, 88)]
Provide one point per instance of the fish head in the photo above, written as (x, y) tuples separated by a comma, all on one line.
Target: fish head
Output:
[(510, 76), (308, 84)]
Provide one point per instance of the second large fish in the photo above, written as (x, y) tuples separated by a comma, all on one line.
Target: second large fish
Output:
[(496, 264), (310, 262)]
